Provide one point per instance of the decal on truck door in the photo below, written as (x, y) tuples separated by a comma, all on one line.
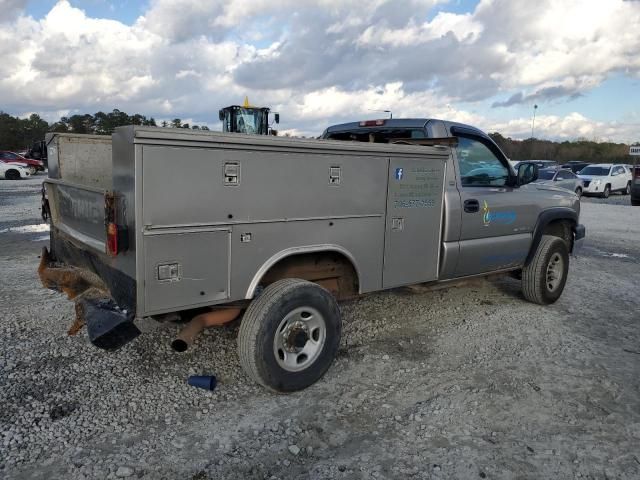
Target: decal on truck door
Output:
[(500, 218)]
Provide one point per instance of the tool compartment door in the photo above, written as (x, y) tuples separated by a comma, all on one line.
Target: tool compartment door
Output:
[(186, 269), (413, 222)]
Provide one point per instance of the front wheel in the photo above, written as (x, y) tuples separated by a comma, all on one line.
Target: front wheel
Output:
[(32, 170), (627, 189), (543, 280), (606, 191), (579, 192), (289, 335)]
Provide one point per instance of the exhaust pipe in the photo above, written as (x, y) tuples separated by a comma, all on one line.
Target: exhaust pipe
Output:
[(205, 320)]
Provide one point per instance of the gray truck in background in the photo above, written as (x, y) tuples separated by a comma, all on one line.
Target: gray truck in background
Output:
[(163, 223)]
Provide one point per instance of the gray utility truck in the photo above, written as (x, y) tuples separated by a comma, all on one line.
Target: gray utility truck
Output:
[(154, 222)]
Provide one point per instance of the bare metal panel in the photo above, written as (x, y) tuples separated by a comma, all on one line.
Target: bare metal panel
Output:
[(414, 221), (189, 185), (80, 159), (196, 264)]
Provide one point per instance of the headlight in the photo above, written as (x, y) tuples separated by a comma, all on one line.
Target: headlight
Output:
[(597, 182)]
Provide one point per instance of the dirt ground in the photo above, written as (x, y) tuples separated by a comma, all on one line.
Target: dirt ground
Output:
[(470, 382)]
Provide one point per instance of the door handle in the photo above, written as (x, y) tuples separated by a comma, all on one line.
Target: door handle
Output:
[(471, 206)]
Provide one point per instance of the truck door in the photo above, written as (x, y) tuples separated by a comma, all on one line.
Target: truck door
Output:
[(497, 220)]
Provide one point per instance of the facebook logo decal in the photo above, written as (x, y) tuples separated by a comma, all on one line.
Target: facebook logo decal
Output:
[(399, 173)]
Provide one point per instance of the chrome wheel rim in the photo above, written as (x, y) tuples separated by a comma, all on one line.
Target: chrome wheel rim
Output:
[(555, 272), (299, 339)]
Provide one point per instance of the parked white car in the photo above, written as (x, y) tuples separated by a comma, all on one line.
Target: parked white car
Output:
[(604, 178), (13, 171)]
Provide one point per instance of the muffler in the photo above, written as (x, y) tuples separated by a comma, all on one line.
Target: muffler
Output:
[(210, 319)]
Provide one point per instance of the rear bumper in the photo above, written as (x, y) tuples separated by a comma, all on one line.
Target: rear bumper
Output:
[(108, 326), (121, 287), (104, 297)]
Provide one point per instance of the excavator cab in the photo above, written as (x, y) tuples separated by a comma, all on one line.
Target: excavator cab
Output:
[(247, 119)]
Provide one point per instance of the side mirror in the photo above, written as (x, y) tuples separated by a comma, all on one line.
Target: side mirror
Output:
[(277, 117), (527, 173), (221, 115)]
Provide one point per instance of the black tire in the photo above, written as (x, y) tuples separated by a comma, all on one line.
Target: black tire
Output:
[(257, 343), (579, 192), (627, 190), (536, 280), (606, 191), (12, 175)]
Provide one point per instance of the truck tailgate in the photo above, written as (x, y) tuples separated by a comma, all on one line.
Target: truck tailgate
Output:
[(78, 211)]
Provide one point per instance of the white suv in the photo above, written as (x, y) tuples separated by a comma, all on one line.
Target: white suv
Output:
[(603, 178)]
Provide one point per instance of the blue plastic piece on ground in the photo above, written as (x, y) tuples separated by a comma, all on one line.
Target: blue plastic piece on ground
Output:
[(208, 382)]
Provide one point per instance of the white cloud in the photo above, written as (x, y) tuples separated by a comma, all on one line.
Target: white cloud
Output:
[(325, 61)]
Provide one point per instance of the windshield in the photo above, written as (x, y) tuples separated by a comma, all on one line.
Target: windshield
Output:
[(245, 120), (248, 120), (546, 174), (595, 171)]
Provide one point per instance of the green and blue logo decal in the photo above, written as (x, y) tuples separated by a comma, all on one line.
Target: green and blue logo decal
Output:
[(500, 218)]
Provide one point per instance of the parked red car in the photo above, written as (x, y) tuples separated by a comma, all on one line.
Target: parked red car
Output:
[(33, 165)]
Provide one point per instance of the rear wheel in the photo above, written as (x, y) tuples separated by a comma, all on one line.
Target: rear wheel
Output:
[(543, 280), (606, 191), (12, 175), (627, 189), (289, 335)]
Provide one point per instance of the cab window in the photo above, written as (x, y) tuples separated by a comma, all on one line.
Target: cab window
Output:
[(479, 167)]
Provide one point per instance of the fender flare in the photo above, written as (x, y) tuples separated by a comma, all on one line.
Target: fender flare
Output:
[(287, 252), (544, 219)]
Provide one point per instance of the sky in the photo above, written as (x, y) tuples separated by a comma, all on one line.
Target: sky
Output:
[(317, 63)]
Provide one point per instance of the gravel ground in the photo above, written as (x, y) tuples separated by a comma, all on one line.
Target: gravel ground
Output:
[(470, 382)]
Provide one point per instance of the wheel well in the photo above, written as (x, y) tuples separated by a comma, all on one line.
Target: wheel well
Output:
[(331, 270), (562, 228)]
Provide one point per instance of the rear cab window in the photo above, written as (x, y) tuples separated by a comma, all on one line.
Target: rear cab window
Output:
[(377, 135)]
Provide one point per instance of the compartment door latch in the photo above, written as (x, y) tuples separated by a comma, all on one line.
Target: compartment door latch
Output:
[(335, 175), (231, 173), (397, 224)]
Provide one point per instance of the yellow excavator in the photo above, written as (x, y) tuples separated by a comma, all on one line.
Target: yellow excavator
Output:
[(248, 119)]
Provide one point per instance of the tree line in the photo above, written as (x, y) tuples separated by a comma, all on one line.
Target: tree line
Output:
[(582, 150), (20, 133)]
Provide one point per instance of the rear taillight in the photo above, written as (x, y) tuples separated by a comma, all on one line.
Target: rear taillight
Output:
[(112, 239), (117, 233), (117, 239), (372, 123)]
